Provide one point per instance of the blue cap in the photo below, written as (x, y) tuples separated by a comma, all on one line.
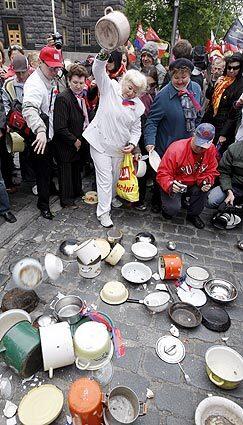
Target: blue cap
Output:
[(204, 135)]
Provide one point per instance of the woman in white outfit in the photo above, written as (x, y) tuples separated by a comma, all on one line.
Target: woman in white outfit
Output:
[(114, 131)]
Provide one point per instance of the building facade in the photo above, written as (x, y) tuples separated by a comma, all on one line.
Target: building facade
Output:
[(30, 22)]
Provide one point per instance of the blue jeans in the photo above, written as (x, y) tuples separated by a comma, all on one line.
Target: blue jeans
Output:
[(4, 200), (216, 196)]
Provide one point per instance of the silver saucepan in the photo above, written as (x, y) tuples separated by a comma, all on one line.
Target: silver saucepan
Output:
[(155, 301)]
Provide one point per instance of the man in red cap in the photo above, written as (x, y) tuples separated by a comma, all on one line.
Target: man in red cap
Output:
[(38, 104)]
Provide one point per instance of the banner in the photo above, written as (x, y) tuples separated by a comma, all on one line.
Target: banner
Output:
[(140, 39), (234, 35), (151, 35)]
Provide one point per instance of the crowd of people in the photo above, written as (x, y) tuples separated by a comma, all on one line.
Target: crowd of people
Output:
[(74, 117)]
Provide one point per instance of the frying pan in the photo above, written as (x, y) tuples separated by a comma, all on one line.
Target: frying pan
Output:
[(215, 318), (185, 315)]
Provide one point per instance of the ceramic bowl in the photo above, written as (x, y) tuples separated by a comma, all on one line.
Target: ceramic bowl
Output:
[(136, 272), (27, 273), (53, 266), (144, 251), (218, 406), (221, 290), (114, 292)]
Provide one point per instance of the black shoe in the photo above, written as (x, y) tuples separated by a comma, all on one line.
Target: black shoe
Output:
[(166, 216), (156, 208), (9, 217), (46, 214), (196, 221), (141, 207)]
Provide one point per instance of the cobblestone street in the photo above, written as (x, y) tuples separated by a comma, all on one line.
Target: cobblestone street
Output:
[(175, 401)]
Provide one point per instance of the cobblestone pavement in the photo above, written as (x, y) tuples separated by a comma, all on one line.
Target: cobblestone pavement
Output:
[(175, 401)]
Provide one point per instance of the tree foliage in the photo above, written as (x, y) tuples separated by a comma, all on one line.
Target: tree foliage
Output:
[(196, 17)]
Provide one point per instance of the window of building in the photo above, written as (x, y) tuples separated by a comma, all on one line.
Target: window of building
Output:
[(84, 10), (64, 7), (85, 37), (11, 4), (64, 36)]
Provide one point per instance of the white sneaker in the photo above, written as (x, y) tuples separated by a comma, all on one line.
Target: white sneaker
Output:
[(116, 203), (105, 220)]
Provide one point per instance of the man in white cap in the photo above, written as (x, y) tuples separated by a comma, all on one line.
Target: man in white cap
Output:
[(188, 167), (38, 104)]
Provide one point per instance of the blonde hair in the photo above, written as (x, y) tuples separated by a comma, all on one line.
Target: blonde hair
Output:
[(137, 78)]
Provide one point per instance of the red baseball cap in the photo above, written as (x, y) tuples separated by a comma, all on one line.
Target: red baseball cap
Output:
[(51, 56)]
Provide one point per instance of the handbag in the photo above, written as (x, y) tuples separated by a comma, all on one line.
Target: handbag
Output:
[(127, 184)]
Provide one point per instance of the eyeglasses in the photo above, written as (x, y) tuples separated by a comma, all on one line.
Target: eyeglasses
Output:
[(233, 68), (53, 69)]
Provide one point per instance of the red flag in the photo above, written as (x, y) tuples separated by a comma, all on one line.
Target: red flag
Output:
[(151, 35), (140, 39)]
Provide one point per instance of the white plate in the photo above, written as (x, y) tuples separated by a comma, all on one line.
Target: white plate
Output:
[(174, 347), (234, 221), (10, 318), (193, 296), (136, 272), (154, 160), (144, 251)]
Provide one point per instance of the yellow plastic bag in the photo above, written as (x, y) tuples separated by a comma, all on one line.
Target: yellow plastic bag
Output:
[(127, 185)]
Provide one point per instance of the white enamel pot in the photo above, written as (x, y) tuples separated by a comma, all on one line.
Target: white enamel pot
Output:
[(115, 255), (57, 346), (112, 30), (88, 252), (196, 277), (90, 271)]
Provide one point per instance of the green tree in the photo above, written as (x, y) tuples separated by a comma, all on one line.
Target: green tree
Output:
[(196, 17)]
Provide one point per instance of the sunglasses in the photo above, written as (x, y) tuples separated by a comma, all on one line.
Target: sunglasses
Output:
[(233, 68)]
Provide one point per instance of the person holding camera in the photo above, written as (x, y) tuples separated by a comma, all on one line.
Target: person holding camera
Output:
[(188, 167)]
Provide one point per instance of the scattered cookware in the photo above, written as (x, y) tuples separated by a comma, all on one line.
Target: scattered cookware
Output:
[(192, 296), (57, 346), (93, 346), (224, 366), (53, 266), (170, 266), (145, 237), (123, 406), (17, 298), (27, 273), (114, 293), (136, 272), (68, 308), (155, 301), (20, 349), (154, 160), (144, 251), (68, 248), (41, 406), (115, 255), (103, 246), (10, 318), (185, 315), (112, 30), (170, 349), (171, 245), (196, 277), (140, 167), (90, 197), (215, 318), (114, 236), (88, 252), (90, 271), (85, 402), (214, 409), (220, 290)]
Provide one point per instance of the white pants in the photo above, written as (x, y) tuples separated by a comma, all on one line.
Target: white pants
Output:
[(107, 170)]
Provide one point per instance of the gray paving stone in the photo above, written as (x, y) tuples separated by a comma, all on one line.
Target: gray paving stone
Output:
[(161, 371), (131, 360), (172, 420), (178, 401)]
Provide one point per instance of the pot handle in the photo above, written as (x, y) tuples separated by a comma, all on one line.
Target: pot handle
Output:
[(108, 10), (86, 271), (133, 300), (216, 381), (80, 366), (143, 409)]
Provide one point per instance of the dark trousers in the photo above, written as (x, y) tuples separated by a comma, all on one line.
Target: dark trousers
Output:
[(171, 204), (41, 166), (70, 183)]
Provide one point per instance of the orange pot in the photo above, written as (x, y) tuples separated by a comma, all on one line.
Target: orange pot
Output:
[(170, 266), (85, 402)]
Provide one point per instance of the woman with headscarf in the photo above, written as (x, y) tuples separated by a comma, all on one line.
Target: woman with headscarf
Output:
[(221, 112)]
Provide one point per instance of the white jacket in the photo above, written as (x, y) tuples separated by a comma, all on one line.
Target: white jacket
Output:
[(114, 125)]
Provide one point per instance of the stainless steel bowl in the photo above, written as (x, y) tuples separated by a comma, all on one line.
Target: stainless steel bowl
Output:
[(221, 290)]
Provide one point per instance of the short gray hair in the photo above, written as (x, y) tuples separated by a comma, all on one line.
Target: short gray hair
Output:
[(137, 78)]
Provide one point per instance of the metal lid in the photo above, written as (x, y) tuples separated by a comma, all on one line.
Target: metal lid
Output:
[(170, 349)]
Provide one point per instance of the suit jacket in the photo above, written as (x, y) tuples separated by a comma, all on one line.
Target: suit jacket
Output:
[(68, 121)]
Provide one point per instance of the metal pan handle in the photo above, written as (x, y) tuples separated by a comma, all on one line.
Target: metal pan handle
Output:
[(133, 300)]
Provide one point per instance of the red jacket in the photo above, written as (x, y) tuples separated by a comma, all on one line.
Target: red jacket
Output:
[(180, 163)]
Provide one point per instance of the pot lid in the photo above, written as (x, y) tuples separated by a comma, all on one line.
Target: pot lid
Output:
[(103, 246), (192, 296), (114, 293), (10, 318), (31, 411), (170, 349)]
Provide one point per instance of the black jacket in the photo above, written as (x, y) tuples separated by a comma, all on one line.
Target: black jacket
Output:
[(68, 121)]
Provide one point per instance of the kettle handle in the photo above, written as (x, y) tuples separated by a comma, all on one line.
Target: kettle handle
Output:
[(107, 10), (218, 382), (143, 409)]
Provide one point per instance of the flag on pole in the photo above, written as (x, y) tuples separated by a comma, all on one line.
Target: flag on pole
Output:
[(234, 35), (151, 35), (131, 51), (140, 39)]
